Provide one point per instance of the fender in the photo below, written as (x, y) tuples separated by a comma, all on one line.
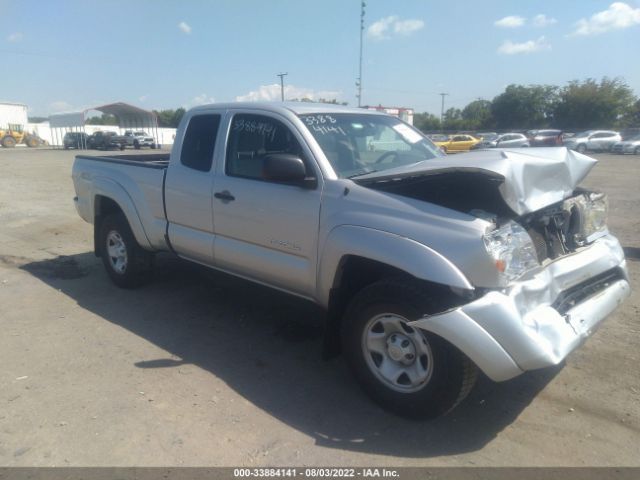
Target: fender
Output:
[(400, 252), (108, 188)]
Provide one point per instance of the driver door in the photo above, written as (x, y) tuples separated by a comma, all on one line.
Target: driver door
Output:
[(265, 230)]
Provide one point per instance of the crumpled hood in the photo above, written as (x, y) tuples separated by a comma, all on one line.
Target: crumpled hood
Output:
[(532, 178)]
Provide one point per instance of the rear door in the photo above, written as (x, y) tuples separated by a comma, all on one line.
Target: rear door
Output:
[(266, 231), (188, 188)]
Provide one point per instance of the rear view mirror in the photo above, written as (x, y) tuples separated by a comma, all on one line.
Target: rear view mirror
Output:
[(287, 168)]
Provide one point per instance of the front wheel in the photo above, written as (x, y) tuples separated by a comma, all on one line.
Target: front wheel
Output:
[(581, 148), (8, 142), (127, 264), (408, 371)]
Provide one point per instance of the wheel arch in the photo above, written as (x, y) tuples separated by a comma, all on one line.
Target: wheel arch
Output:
[(346, 267), (111, 198)]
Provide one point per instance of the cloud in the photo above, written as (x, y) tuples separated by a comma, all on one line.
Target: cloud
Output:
[(271, 93), (512, 21), (383, 28), (15, 37), (185, 27), (201, 99), (407, 27), (60, 106), (618, 16), (510, 48), (541, 20), (143, 98)]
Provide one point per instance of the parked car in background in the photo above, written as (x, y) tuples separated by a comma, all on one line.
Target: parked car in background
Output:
[(631, 145), (593, 140), (76, 140), (458, 143), (438, 137), (505, 140), (544, 138), (105, 140), (486, 135), (139, 138)]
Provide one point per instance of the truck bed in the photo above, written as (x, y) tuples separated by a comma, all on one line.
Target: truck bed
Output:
[(154, 160)]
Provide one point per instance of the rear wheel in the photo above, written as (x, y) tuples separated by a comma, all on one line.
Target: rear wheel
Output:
[(32, 142), (127, 264), (136, 145), (8, 142), (408, 371)]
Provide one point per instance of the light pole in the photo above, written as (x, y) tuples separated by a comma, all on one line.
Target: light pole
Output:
[(282, 75), (442, 111), (359, 79)]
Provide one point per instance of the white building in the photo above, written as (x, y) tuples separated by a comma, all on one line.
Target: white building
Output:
[(13, 114), (403, 113)]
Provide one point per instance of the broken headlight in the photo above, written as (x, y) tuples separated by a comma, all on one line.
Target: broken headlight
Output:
[(595, 217), (512, 250)]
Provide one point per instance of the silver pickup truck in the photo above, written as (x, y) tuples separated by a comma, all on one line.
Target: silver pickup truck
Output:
[(429, 267)]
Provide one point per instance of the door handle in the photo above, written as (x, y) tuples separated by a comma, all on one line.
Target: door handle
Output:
[(225, 196)]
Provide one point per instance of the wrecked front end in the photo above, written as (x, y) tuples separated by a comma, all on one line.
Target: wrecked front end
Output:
[(557, 271)]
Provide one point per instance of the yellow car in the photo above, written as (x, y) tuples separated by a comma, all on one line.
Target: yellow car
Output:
[(458, 143)]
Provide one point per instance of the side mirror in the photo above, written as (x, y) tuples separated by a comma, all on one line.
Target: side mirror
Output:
[(287, 168)]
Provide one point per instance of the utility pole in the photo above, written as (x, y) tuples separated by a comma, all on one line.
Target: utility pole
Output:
[(359, 79), (282, 75), (442, 110)]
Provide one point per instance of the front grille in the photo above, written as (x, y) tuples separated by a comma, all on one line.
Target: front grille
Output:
[(587, 289)]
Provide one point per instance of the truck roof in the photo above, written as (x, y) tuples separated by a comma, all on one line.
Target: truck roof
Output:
[(299, 108)]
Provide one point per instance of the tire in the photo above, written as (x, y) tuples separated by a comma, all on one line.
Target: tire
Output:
[(127, 264), (442, 375), (8, 142), (136, 145), (153, 146), (121, 147), (32, 143), (581, 148), (636, 151)]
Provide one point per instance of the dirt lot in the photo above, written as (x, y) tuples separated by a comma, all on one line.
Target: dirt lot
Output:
[(202, 369)]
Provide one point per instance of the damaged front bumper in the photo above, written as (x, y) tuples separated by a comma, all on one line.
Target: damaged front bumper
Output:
[(538, 320)]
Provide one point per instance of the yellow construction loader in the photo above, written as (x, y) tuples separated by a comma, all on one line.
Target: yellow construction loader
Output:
[(15, 134)]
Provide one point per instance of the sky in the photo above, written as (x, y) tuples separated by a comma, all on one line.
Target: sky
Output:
[(71, 55)]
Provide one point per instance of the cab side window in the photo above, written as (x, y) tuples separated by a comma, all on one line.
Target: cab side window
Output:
[(200, 141), (251, 139)]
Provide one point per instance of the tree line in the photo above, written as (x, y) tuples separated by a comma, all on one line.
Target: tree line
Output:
[(580, 105)]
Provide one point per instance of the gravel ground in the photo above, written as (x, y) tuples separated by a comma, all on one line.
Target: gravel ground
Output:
[(202, 369)]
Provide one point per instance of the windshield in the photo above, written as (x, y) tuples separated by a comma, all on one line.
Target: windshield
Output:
[(357, 144)]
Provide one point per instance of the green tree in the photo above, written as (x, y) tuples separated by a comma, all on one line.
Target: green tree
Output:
[(593, 104), (477, 115), (632, 117), (524, 107), (104, 119), (169, 118), (453, 120), (426, 122)]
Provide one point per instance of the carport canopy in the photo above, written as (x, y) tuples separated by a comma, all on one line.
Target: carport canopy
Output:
[(129, 117)]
